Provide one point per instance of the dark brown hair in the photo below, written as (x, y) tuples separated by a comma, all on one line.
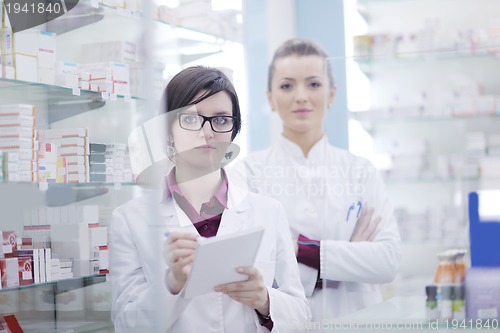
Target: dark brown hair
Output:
[(185, 85), (299, 47)]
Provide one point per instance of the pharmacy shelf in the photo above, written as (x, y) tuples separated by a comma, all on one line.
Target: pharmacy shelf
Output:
[(40, 90), (80, 15), (66, 194), (61, 194), (399, 116), (54, 195), (168, 38), (166, 43), (78, 282), (176, 23), (67, 326), (62, 102), (89, 12), (92, 184), (480, 53), (368, 64), (63, 285)]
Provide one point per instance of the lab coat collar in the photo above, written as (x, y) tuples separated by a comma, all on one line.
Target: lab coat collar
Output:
[(316, 154), (237, 206), (171, 186)]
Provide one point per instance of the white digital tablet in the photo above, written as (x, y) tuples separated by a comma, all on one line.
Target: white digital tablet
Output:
[(217, 258)]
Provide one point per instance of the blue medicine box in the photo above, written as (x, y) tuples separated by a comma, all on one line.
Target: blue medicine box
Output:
[(484, 234)]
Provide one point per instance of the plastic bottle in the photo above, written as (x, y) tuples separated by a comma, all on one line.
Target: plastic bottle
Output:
[(446, 271), (459, 302), (431, 303), (460, 266), (445, 302)]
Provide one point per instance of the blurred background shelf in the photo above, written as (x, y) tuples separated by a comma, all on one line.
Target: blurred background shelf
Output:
[(64, 284)]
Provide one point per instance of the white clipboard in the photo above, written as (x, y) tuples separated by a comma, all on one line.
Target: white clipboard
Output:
[(217, 258)]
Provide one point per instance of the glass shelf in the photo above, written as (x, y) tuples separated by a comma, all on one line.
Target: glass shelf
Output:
[(63, 102), (170, 42), (60, 91), (387, 117), (56, 194), (65, 195), (427, 57), (65, 284), (93, 185), (88, 12), (67, 326), (177, 25), (68, 193)]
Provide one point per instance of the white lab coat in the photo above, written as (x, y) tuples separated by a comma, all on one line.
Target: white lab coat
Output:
[(317, 193), (141, 300)]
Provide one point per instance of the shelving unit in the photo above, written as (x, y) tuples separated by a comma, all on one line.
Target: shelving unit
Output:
[(40, 307), (433, 91), (82, 304), (373, 65), (412, 115)]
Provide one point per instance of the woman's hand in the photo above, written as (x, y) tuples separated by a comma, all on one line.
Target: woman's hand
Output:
[(252, 292), (178, 253), (365, 229)]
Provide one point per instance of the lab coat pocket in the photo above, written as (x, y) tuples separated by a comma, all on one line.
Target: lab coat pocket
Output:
[(266, 269)]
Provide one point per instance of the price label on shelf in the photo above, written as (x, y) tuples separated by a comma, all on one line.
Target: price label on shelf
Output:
[(43, 186), (76, 91), (94, 3), (105, 95), (113, 97), (127, 98), (117, 186)]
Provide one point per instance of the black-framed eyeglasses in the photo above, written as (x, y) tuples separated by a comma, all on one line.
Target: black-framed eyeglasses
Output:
[(195, 122)]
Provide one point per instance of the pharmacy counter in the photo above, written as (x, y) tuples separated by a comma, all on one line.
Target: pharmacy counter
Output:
[(394, 315), (405, 308), (404, 313)]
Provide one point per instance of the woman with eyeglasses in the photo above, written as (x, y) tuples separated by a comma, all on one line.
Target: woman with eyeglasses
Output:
[(345, 234), (200, 199)]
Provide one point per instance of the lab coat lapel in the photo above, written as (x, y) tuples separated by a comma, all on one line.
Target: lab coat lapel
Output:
[(233, 220), (235, 217), (171, 216)]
